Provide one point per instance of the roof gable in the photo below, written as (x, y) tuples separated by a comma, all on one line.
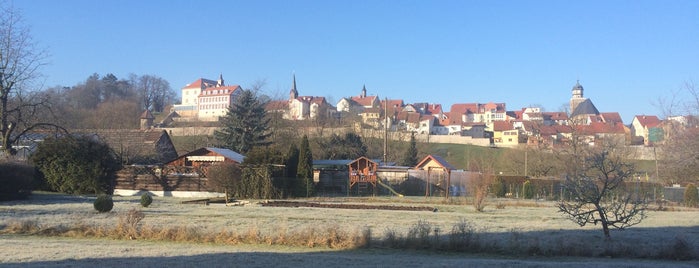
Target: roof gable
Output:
[(648, 121), (434, 161)]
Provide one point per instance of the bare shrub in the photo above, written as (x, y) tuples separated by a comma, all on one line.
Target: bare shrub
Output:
[(680, 250), (419, 235), (391, 238), (462, 236)]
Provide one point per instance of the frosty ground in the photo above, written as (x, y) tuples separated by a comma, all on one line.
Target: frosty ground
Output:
[(518, 223)]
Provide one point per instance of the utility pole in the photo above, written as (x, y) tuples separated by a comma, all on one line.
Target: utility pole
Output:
[(385, 131)]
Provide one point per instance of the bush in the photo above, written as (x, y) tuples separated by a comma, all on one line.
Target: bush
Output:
[(498, 187), (691, 195), (104, 203), (527, 190), (76, 165), (17, 180), (146, 200)]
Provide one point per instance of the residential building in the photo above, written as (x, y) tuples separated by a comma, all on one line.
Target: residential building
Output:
[(301, 107), (642, 126), (206, 99)]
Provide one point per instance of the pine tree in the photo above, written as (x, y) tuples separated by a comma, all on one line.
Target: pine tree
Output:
[(410, 157), (304, 172), (245, 125), (292, 160)]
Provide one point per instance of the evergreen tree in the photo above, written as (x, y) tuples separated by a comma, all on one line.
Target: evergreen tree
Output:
[(304, 172), (691, 195), (292, 160), (245, 125), (410, 157)]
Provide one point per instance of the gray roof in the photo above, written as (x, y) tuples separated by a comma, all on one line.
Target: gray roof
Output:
[(585, 107), (228, 154)]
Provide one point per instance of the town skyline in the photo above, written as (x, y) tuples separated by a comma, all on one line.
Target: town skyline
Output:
[(626, 54)]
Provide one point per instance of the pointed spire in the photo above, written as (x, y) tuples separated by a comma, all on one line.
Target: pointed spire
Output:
[(220, 80), (363, 91), (293, 93)]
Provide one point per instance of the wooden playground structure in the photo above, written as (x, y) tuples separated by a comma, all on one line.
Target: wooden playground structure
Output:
[(362, 173)]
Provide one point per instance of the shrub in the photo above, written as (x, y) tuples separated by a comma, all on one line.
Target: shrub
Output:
[(17, 180), (146, 200), (691, 195), (527, 190), (76, 165), (498, 187), (104, 203)]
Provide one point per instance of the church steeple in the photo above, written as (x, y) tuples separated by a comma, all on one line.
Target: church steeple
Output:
[(220, 81), (577, 90), (363, 95), (293, 93)]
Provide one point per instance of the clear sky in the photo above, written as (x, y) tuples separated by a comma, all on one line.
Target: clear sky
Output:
[(626, 54)]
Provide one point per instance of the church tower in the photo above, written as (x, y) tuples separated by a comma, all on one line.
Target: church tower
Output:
[(363, 95), (577, 96), (147, 120), (220, 83), (293, 93)]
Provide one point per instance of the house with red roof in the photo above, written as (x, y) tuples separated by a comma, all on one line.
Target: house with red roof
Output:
[(642, 125), (206, 99), (301, 107), (504, 134)]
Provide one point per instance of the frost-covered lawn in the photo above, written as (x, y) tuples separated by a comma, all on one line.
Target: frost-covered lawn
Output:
[(519, 224)]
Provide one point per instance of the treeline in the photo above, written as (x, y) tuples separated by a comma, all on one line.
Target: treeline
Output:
[(108, 102)]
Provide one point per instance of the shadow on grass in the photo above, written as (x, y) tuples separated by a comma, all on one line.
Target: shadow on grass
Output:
[(347, 258)]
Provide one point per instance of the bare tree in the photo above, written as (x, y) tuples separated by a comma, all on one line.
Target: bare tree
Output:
[(20, 59), (154, 92), (596, 192), (479, 185), (678, 154)]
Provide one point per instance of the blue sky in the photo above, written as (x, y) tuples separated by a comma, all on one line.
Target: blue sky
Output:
[(626, 54)]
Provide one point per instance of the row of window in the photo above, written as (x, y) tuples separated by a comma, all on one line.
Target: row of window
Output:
[(214, 99), (212, 106)]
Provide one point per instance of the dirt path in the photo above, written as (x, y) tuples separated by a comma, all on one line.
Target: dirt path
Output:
[(344, 206), (32, 251)]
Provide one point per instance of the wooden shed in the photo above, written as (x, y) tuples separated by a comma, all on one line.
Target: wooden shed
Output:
[(431, 164), (204, 157)]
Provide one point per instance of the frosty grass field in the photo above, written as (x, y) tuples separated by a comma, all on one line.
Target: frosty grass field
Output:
[(520, 224)]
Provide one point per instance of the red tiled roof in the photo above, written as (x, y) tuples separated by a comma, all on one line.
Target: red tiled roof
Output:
[(555, 129), (213, 91), (201, 83), (409, 117), (392, 104), (601, 128), (502, 126), (434, 109), (464, 108), (364, 101), (648, 121), (556, 115), (277, 105), (611, 118)]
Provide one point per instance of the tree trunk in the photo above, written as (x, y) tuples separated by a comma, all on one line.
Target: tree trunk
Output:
[(603, 220)]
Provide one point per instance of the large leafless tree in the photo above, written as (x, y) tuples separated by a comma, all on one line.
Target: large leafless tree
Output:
[(596, 192), (21, 109), (154, 92)]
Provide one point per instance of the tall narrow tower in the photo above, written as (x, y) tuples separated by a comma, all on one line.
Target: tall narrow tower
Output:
[(293, 93), (577, 96), (220, 83)]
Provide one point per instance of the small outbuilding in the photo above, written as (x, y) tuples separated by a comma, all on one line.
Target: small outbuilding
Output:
[(204, 157), (362, 173), (433, 164)]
